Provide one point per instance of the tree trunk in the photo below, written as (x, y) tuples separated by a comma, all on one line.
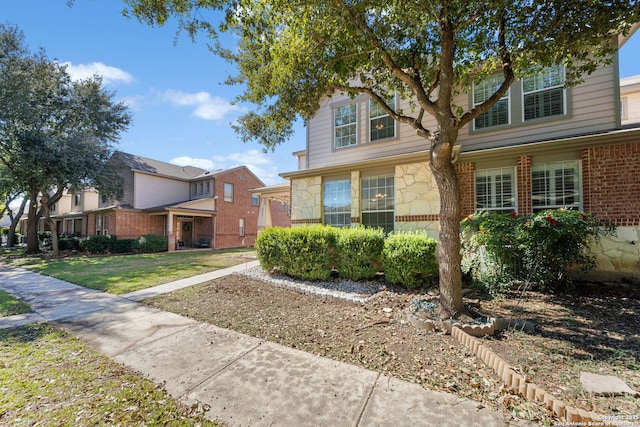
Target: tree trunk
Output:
[(33, 245), (15, 219), (55, 249), (451, 304)]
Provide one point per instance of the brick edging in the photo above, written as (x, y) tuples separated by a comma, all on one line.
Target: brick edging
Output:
[(519, 383)]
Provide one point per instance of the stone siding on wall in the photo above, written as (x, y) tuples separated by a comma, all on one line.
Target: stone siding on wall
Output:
[(306, 204)]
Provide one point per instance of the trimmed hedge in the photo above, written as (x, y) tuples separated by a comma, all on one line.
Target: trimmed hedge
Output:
[(409, 259), (302, 252), (150, 243), (99, 244), (314, 252), (359, 252)]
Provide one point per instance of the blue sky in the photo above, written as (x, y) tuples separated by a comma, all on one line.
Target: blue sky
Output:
[(181, 109)]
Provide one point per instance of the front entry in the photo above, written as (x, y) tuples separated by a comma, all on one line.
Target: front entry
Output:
[(185, 234)]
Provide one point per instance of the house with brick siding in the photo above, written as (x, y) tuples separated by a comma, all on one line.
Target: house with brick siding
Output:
[(193, 207), (542, 146)]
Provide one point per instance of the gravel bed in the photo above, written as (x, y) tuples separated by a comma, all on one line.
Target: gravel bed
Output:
[(348, 290)]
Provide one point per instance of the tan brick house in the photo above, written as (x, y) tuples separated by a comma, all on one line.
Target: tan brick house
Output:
[(541, 146)]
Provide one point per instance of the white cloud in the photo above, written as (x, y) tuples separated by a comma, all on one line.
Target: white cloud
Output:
[(258, 162), (109, 74), (207, 107)]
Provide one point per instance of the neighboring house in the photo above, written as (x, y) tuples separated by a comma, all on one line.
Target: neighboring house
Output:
[(541, 146), (193, 207), (274, 205)]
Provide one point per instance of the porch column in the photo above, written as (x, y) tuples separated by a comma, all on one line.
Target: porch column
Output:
[(171, 235), (264, 215)]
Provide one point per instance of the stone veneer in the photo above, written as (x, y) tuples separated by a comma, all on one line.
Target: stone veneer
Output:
[(620, 253), (308, 201), (416, 190)]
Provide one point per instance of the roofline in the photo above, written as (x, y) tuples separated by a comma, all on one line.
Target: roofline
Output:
[(532, 148)]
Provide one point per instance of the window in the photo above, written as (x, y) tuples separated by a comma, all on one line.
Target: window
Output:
[(201, 188), (98, 224), (499, 113), (495, 190), (194, 189), (77, 199), (207, 187), (555, 185), (382, 126), (377, 202), (228, 192), (336, 203), (345, 125), (255, 200), (543, 93), (52, 208), (105, 224), (241, 227)]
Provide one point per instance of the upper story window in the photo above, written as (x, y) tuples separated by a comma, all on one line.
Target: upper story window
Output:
[(499, 113), (255, 200), (77, 199), (555, 185), (228, 192), (345, 124), (207, 187), (381, 125), (336, 203), (495, 190), (543, 93), (194, 189), (377, 202)]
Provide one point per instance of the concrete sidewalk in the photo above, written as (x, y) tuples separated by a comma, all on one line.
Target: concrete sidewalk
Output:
[(246, 381)]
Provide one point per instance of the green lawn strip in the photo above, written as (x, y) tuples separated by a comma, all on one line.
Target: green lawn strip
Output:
[(120, 274), (10, 305), (49, 377)]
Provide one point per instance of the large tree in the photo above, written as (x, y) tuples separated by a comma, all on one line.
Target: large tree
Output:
[(291, 53), (56, 134)]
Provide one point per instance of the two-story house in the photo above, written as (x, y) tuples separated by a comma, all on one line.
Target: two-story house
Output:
[(193, 207), (541, 146)]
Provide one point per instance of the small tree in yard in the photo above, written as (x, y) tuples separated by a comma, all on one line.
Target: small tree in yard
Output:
[(291, 53)]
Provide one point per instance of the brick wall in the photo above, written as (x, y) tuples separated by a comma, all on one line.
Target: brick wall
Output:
[(229, 213), (611, 183), (279, 217), (523, 181), (465, 172), (131, 224)]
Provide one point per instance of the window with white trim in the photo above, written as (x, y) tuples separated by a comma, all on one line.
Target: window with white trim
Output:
[(228, 192), (345, 125), (555, 185), (543, 93), (381, 125), (105, 224), (241, 229), (336, 203), (495, 190), (498, 114), (255, 200), (98, 224), (377, 202)]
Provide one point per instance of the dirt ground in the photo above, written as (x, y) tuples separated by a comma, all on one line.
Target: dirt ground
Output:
[(594, 330)]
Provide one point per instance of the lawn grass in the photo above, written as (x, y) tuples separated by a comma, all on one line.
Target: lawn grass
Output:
[(10, 306), (48, 377), (120, 274)]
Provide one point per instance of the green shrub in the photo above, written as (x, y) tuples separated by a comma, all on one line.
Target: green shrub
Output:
[(409, 259), (118, 246), (306, 253), (359, 252), (150, 243), (269, 248), (67, 243), (542, 248), (99, 244)]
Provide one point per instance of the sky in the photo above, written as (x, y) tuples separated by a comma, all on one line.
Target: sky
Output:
[(174, 88)]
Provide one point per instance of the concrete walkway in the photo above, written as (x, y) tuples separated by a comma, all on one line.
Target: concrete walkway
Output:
[(245, 380)]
